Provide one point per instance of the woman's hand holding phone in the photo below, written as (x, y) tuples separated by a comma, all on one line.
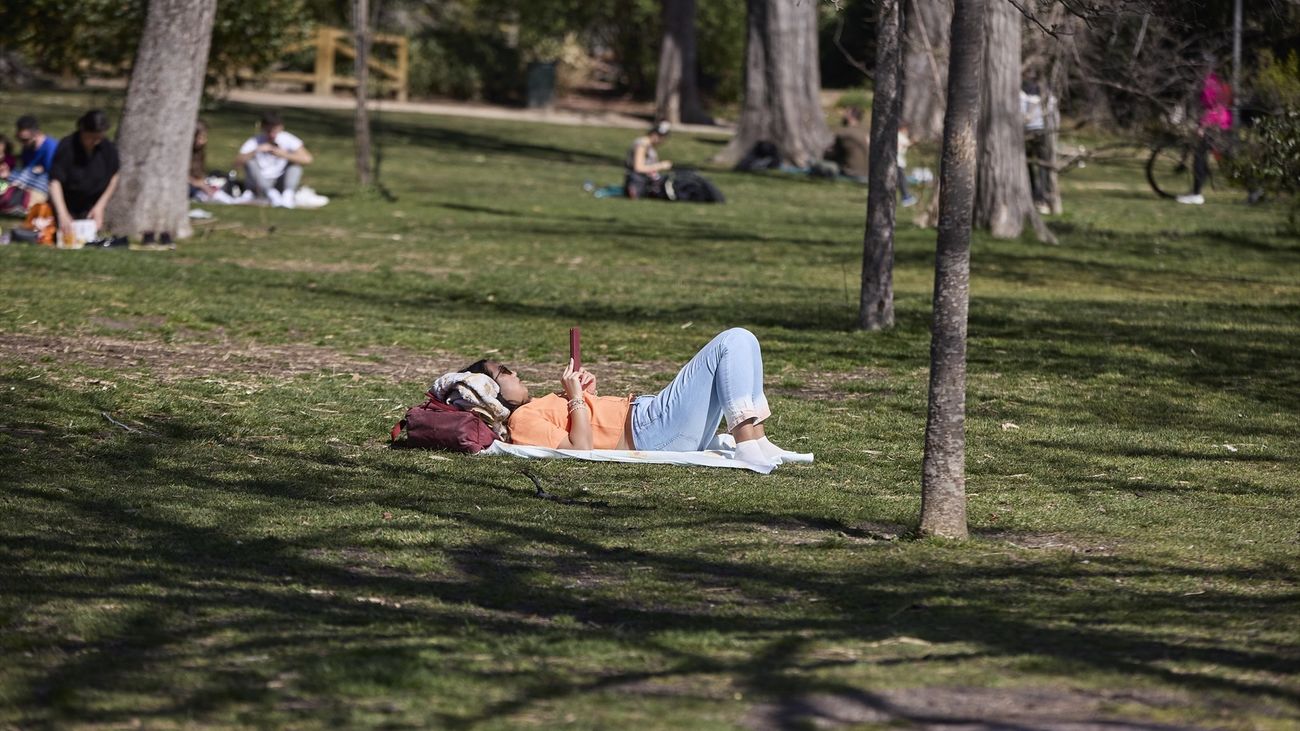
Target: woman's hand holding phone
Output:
[(571, 381)]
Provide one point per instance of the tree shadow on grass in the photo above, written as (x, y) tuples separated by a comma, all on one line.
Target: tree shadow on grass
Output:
[(320, 124), (483, 142), (672, 238), (1096, 338), (336, 616)]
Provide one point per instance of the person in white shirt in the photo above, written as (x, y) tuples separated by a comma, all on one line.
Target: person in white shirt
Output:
[(273, 162), (1032, 103), (904, 144)]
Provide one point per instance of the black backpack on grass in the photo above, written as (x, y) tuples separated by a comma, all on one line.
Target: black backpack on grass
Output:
[(690, 186), (762, 156)]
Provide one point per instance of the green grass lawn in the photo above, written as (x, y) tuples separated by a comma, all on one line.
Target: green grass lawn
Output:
[(237, 547)]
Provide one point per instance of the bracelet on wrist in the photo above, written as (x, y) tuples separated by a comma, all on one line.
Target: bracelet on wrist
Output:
[(577, 403)]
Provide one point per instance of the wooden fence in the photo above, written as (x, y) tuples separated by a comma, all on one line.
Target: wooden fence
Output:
[(330, 43)]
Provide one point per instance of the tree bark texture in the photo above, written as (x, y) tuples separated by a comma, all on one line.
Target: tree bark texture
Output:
[(677, 95), (925, 67), (1052, 120), (782, 83), (156, 136), (1003, 199), (876, 306), (943, 479), (361, 116)]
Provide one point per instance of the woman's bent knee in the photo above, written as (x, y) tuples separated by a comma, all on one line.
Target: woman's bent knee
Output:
[(738, 335)]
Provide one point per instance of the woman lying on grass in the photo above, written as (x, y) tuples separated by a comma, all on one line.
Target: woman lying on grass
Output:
[(724, 379)]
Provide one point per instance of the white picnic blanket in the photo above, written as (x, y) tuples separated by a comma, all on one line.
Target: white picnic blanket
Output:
[(720, 453)]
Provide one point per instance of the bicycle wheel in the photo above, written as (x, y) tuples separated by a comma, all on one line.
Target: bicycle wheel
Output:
[(1169, 169)]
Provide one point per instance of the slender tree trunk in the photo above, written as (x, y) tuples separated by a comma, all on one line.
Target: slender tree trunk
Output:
[(925, 67), (1003, 199), (677, 95), (943, 480), (876, 307), (1052, 120), (782, 83), (361, 117), (156, 136)]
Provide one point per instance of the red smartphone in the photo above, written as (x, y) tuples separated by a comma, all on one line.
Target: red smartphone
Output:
[(575, 347)]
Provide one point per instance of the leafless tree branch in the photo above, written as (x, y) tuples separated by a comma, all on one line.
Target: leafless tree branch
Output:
[(855, 63)]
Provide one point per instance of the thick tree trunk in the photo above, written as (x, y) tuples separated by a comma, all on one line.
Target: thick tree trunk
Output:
[(925, 67), (876, 307), (677, 95), (156, 136), (1003, 199), (782, 83), (943, 480), (361, 117)]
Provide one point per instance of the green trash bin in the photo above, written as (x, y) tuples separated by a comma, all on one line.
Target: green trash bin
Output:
[(540, 77)]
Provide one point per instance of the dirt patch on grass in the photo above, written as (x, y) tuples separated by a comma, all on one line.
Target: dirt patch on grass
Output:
[(128, 323), (971, 709), (192, 359), (303, 266), (1050, 542), (173, 361)]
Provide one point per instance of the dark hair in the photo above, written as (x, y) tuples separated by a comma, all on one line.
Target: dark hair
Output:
[(93, 121), (199, 153), (480, 366), (7, 144), (28, 121), (271, 119)]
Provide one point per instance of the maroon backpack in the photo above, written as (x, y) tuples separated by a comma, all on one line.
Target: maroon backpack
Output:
[(436, 425)]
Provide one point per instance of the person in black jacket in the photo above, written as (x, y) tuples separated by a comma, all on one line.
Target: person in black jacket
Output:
[(84, 173)]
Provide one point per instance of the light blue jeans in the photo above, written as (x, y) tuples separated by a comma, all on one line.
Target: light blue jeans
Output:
[(288, 181), (723, 380)]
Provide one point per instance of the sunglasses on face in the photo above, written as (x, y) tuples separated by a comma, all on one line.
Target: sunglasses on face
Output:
[(502, 371)]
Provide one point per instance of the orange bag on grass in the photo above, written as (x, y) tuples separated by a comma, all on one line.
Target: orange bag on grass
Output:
[(40, 218)]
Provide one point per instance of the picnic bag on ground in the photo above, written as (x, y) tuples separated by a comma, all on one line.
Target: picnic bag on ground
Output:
[(436, 425), (762, 156), (40, 225), (688, 185)]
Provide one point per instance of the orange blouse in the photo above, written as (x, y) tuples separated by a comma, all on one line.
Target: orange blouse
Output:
[(544, 422)]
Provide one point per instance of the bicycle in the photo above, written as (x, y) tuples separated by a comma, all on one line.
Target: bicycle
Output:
[(1170, 168)]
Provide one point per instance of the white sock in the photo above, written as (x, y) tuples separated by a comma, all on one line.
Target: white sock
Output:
[(773, 452), (751, 451)]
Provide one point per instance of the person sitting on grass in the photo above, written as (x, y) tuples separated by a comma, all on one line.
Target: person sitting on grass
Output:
[(7, 159), (84, 173), (29, 183), (643, 168), (273, 161), (723, 380), (199, 188), (851, 150)]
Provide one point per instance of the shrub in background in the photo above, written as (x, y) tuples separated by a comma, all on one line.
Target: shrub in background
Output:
[(1269, 159)]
